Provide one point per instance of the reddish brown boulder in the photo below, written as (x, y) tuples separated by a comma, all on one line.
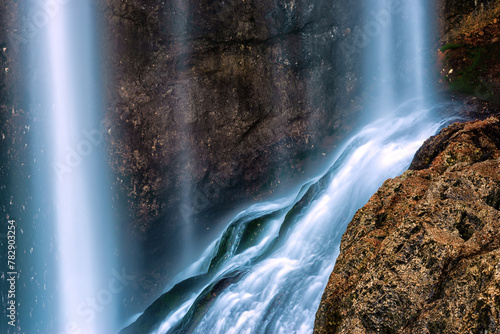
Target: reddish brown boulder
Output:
[(423, 255)]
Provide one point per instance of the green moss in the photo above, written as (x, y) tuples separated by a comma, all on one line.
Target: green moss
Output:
[(224, 247), (469, 81), (164, 305), (292, 215), (204, 301), (451, 46)]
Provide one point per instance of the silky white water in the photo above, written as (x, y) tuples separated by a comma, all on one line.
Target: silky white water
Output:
[(275, 285), (281, 293), (87, 283)]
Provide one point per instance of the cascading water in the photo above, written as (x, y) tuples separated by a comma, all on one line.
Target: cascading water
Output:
[(87, 281), (267, 271), (183, 110)]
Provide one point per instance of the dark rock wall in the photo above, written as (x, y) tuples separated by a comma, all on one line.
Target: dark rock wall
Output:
[(13, 109), (216, 103)]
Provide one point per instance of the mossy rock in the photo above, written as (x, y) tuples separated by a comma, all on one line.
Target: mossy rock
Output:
[(472, 64), (451, 46)]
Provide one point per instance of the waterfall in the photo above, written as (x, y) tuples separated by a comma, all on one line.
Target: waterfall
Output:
[(395, 39), (87, 282), (268, 269), (267, 272)]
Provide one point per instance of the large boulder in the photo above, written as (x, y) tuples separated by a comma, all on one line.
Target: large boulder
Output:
[(423, 255)]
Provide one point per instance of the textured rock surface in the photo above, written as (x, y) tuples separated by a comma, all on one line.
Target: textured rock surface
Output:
[(460, 17), (469, 57), (223, 94), (215, 103), (423, 255)]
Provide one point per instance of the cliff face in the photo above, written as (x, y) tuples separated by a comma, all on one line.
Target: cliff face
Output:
[(207, 97), (469, 56), (423, 255), (215, 103)]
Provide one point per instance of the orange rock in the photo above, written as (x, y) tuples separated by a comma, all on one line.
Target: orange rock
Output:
[(437, 254)]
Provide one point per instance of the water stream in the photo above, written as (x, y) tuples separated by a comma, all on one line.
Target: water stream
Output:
[(267, 271)]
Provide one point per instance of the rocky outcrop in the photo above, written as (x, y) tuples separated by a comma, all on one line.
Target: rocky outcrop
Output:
[(423, 255), (215, 103), (469, 54), (457, 18)]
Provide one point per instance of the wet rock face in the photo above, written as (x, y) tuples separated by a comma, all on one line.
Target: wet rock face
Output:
[(224, 91), (214, 103), (423, 255)]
